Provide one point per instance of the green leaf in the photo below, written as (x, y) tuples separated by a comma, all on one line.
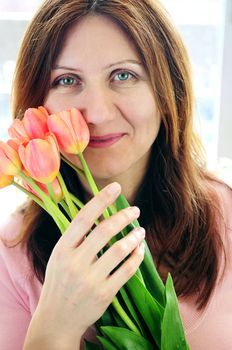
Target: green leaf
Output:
[(148, 307), (118, 320), (126, 339), (106, 319), (151, 277), (149, 272), (173, 336), (131, 309), (91, 346), (107, 344)]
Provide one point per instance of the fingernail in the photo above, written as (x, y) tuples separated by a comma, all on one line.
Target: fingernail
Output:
[(114, 188), (135, 210), (139, 232)]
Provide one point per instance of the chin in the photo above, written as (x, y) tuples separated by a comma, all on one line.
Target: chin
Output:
[(105, 172)]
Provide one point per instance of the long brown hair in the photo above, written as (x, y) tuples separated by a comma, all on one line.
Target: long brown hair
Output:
[(175, 197)]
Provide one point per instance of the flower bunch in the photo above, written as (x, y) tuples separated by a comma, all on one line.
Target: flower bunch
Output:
[(144, 315)]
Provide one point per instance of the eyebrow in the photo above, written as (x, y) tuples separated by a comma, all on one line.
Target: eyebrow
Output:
[(57, 66)]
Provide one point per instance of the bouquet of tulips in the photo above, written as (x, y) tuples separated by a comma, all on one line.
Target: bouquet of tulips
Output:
[(144, 315)]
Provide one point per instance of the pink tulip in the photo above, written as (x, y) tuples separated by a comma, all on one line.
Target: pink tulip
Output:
[(41, 158), (14, 143), (6, 180), (10, 163), (70, 129), (17, 131), (55, 185), (35, 122), (33, 125)]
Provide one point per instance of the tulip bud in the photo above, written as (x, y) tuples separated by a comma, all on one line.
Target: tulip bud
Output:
[(33, 125), (35, 122), (70, 129), (17, 131), (41, 158), (10, 163)]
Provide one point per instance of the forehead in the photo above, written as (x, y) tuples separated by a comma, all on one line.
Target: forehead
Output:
[(96, 37)]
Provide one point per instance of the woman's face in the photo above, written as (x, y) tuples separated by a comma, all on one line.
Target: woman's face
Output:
[(99, 72)]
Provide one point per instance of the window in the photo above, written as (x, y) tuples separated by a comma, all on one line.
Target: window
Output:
[(201, 23)]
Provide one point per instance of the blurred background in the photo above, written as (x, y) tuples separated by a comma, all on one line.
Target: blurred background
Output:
[(206, 26)]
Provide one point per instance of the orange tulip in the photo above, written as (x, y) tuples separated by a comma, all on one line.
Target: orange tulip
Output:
[(17, 131), (35, 122), (70, 129), (41, 158), (55, 185), (6, 180), (14, 143), (10, 163), (33, 125)]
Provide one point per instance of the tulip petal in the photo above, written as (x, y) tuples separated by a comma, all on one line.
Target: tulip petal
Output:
[(10, 163), (70, 129), (35, 122), (41, 158), (5, 180), (80, 127), (63, 134), (14, 143), (17, 131)]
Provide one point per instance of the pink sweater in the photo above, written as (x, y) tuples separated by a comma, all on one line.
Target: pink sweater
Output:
[(210, 329)]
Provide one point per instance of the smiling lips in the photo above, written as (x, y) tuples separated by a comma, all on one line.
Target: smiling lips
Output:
[(104, 141)]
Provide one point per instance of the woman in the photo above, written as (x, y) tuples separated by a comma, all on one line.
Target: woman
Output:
[(123, 64)]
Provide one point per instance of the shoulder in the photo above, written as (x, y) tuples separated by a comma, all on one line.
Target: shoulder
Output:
[(17, 277), (223, 204), (220, 200), (201, 329), (224, 192)]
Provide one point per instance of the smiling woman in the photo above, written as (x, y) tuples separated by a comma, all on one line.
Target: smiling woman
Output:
[(124, 66), (115, 96)]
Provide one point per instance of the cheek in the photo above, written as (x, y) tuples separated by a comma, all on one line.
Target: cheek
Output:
[(54, 103), (144, 118)]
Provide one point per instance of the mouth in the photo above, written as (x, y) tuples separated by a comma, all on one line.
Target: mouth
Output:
[(104, 141)]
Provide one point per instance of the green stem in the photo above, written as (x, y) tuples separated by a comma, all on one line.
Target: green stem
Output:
[(78, 170), (29, 194), (54, 211), (66, 208), (39, 202), (115, 303), (91, 181), (71, 206), (51, 192), (76, 201), (88, 175)]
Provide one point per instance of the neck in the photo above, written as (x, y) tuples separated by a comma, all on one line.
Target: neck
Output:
[(129, 181)]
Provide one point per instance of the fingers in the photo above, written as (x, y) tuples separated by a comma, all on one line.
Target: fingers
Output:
[(103, 233), (127, 269), (119, 251), (85, 219)]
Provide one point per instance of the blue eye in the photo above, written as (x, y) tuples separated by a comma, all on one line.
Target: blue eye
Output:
[(67, 81), (123, 76)]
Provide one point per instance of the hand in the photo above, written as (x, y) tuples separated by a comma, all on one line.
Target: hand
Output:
[(78, 286)]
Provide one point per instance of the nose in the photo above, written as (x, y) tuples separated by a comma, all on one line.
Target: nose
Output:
[(97, 106)]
